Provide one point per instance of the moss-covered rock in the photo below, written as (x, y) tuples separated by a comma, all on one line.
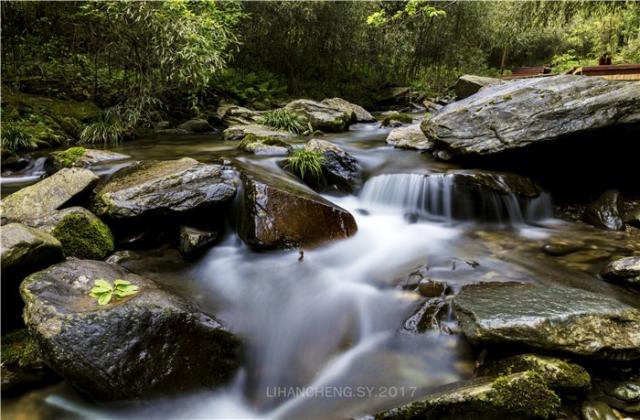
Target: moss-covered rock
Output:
[(522, 395), (24, 248), (559, 375), (83, 235), (409, 137), (264, 145), (22, 364), (239, 132), (320, 116), (396, 119), (80, 157)]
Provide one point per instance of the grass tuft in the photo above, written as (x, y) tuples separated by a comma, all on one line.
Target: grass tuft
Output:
[(284, 119), (305, 163)]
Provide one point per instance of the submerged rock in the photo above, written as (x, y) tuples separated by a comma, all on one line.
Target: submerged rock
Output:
[(624, 270), (559, 375), (277, 212), (196, 125), (521, 395), (597, 410), (147, 344), (40, 199), (605, 211), (81, 158), (358, 113), (24, 249), (162, 188), (525, 112), (469, 84), (320, 116), (194, 242), (340, 170), (409, 137), (81, 233), (539, 316), (239, 132)]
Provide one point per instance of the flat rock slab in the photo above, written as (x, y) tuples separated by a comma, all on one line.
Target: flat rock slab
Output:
[(238, 132), (550, 318), (150, 343), (161, 188), (358, 113), (40, 199), (531, 111), (409, 137), (278, 212)]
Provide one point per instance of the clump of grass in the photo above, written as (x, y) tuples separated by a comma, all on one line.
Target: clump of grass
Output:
[(397, 116), (284, 119), (105, 131), (305, 163), (15, 139)]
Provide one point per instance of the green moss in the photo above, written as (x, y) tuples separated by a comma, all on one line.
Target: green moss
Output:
[(397, 116), (250, 140), (84, 236), (526, 393), (19, 349), (68, 158), (507, 97)]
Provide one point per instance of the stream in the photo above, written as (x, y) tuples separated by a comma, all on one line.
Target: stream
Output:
[(332, 335)]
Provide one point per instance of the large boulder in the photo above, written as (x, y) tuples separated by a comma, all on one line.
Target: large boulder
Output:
[(409, 137), (521, 113), (239, 132), (551, 318), (81, 158), (52, 193), (521, 395), (320, 116), (146, 344), (81, 233), (605, 212), (277, 212), (232, 114), (270, 146), (358, 113), (162, 188), (24, 248), (624, 270), (340, 170), (469, 84)]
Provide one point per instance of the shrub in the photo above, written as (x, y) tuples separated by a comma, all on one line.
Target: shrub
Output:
[(305, 163), (15, 139), (284, 119)]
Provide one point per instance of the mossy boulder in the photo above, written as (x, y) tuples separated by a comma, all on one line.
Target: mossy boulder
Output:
[(320, 116), (52, 193), (80, 157), (232, 114), (264, 145), (522, 395), (196, 125), (340, 170), (148, 344), (22, 366), (239, 132), (277, 212), (358, 113), (396, 119), (561, 376)]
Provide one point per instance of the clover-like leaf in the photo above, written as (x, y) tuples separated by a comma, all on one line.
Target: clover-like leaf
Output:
[(104, 298)]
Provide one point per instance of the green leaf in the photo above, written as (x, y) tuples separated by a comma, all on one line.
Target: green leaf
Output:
[(104, 299), (119, 282), (103, 283)]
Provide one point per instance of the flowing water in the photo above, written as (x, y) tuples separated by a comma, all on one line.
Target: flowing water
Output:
[(329, 336)]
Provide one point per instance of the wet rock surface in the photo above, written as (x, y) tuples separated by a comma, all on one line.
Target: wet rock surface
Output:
[(409, 137), (196, 125), (162, 188), (541, 317), (238, 132), (80, 157), (27, 249), (194, 242), (605, 212), (625, 270), (147, 344), (277, 212), (52, 193), (520, 113), (521, 395)]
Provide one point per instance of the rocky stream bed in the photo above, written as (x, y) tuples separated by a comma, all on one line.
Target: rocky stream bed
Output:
[(433, 279)]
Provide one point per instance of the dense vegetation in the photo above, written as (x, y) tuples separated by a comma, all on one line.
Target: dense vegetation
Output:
[(138, 59)]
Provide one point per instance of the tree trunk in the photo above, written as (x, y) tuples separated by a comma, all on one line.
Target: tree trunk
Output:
[(504, 59)]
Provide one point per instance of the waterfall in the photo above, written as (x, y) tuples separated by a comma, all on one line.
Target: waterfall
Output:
[(441, 197)]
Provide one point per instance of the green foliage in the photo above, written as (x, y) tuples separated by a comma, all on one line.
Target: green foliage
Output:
[(84, 236), (67, 158), (258, 89), (19, 349), (305, 163), (103, 291), (284, 119), (15, 138)]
